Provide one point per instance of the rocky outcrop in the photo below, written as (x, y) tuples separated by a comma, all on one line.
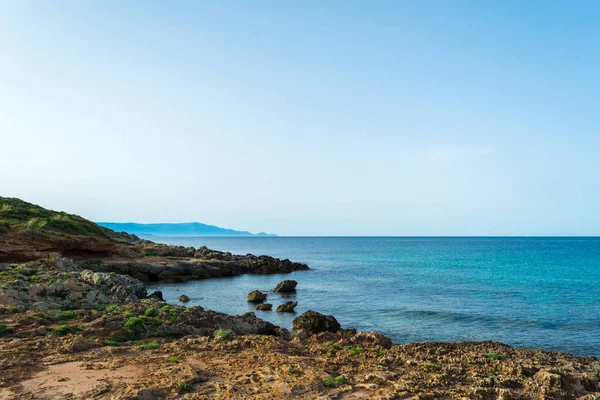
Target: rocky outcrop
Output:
[(287, 306), (183, 298), (264, 307), (314, 322), (287, 286), (256, 296)]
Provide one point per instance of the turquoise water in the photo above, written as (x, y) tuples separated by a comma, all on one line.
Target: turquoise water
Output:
[(527, 292)]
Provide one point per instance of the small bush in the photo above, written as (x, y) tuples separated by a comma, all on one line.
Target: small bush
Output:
[(67, 330), (328, 382), (493, 356), (148, 346), (128, 314), (151, 312), (223, 334), (340, 380), (111, 342), (174, 360)]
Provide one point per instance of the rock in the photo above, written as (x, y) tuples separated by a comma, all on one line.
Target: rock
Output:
[(256, 296), (287, 307), (547, 378), (287, 286), (373, 338), (157, 295), (264, 307), (315, 322), (183, 298)]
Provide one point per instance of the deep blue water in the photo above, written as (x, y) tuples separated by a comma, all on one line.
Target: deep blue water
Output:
[(527, 292)]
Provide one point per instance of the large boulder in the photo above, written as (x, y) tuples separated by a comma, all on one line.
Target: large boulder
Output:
[(287, 306), (287, 286), (314, 322), (256, 296)]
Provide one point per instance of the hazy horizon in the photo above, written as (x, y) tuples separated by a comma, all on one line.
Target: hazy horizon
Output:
[(384, 118)]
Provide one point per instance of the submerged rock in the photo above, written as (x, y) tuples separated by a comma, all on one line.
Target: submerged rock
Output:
[(287, 286), (264, 307), (183, 298), (287, 307), (256, 296), (314, 322)]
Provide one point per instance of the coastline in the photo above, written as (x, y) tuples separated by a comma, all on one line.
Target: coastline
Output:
[(82, 338)]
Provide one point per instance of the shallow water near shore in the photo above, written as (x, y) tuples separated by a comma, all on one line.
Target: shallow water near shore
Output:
[(539, 293)]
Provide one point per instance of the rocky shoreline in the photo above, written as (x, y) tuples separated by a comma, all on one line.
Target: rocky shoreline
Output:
[(80, 329)]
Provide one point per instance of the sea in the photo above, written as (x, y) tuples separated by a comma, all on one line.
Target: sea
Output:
[(528, 292)]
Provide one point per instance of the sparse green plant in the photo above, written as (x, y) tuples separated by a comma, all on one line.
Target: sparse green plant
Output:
[(148, 346), (101, 307), (111, 342), (150, 253), (174, 360), (113, 274), (293, 371), (340, 380), (185, 387), (493, 356), (68, 315), (6, 329), (378, 381), (432, 367), (67, 330), (223, 334), (128, 314), (332, 345), (380, 363), (354, 350), (328, 382), (381, 353), (111, 308)]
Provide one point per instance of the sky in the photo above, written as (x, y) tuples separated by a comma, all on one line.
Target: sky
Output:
[(307, 117)]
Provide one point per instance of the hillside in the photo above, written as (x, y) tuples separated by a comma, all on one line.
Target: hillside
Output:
[(175, 229), (28, 232)]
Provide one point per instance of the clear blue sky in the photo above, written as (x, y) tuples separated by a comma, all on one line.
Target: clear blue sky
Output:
[(307, 117)]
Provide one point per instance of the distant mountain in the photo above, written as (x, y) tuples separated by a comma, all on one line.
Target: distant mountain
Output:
[(182, 229)]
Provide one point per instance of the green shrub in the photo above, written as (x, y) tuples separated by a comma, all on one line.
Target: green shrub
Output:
[(151, 312), (111, 342), (128, 314), (223, 334), (293, 371), (493, 356), (150, 253), (134, 325), (174, 360), (148, 346), (340, 380), (67, 330), (328, 382)]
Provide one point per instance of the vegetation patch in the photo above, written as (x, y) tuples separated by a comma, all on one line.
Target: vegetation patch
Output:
[(5, 330), (340, 380), (64, 330), (328, 382), (354, 350), (494, 356), (185, 387), (148, 346), (111, 342), (223, 334), (432, 367)]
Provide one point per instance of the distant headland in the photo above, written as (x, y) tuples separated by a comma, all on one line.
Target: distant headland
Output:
[(175, 229)]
